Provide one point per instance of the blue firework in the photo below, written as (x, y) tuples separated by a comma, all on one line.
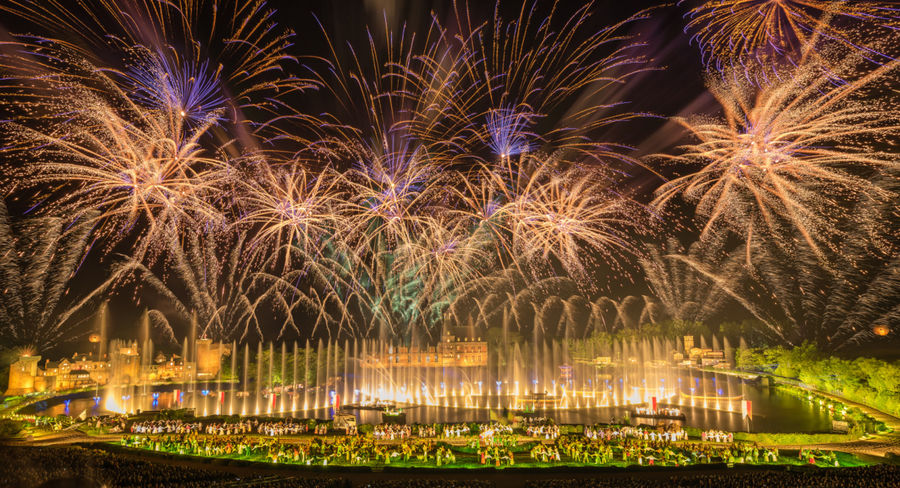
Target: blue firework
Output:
[(186, 88)]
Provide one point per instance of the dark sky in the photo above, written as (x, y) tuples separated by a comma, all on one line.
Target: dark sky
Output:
[(666, 92), (678, 88)]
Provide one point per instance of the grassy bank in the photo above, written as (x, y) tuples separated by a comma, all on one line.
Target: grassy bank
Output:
[(871, 382)]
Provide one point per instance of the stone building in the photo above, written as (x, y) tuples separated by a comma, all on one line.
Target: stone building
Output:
[(123, 366), (209, 357), (22, 374), (125, 363), (29, 375), (450, 352)]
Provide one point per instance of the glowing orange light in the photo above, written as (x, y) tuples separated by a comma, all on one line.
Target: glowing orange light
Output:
[(881, 330)]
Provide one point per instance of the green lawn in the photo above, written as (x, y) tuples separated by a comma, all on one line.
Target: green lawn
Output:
[(466, 460)]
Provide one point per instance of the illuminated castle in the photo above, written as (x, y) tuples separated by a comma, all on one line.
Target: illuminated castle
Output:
[(209, 357), (124, 365), (450, 352), (28, 375), (703, 356)]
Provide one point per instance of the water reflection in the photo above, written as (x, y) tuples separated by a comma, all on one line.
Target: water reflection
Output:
[(773, 410)]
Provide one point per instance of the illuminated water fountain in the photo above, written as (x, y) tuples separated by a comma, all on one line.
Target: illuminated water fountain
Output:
[(456, 373)]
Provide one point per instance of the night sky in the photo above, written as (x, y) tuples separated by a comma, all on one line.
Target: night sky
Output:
[(673, 86)]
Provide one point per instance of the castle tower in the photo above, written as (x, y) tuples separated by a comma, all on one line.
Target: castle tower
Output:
[(209, 357), (125, 363), (22, 374)]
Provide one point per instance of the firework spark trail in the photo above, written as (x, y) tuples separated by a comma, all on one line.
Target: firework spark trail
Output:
[(544, 209), (389, 198), (786, 155), (509, 132), (407, 107), (684, 293), (513, 73), (377, 92), (437, 162), (39, 256), (773, 34), (726, 282), (291, 206), (480, 200), (137, 168), (209, 275), (345, 234), (799, 301), (166, 50), (572, 217), (120, 103), (442, 259), (483, 92)]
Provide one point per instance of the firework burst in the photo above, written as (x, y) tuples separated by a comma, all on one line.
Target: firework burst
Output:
[(137, 168), (190, 90), (775, 33), (786, 156), (290, 207), (513, 73), (442, 260), (571, 215), (388, 199), (165, 52)]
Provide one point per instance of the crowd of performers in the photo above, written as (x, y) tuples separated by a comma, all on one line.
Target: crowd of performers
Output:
[(426, 430), (541, 427), (449, 431), (608, 433), (489, 443), (452, 431), (634, 450), (716, 436), (111, 424), (354, 449), (393, 431), (105, 424), (663, 411), (814, 456), (271, 429), (165, 427)]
